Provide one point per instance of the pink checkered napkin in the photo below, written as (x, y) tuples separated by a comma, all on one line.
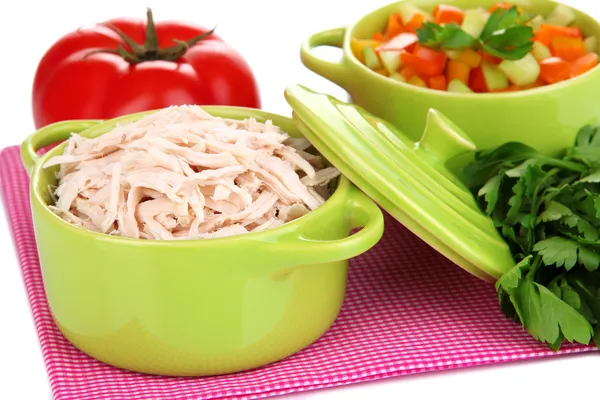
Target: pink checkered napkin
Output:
[(408, 310)]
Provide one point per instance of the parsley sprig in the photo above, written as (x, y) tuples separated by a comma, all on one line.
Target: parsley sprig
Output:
[(548, 211), (505, 35)]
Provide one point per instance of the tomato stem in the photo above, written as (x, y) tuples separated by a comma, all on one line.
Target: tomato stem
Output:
[(151, 43), (150, 50)]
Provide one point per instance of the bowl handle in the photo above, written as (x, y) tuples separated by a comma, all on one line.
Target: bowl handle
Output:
[(336, 72), (48, 135), (363, 213)]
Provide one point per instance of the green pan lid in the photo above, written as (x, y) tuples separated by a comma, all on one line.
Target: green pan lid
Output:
[(407, 179)]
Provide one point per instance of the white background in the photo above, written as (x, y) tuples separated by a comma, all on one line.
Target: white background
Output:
[(268, 34)]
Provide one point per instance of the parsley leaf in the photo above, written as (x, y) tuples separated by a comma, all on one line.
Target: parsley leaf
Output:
[(447, 37), (558, 314), (558, 251), (505, 35), (509, 44), (555, 211), (547, 209), (500, 19), (491, 192), (544, 314)]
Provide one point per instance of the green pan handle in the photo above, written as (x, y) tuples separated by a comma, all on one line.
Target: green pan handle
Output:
[(362, 213), (48, 135), (336, 72)]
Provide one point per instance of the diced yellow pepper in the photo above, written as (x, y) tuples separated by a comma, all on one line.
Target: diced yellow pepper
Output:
[(415, 80), (470, 57), (382, 71), (358, 47)]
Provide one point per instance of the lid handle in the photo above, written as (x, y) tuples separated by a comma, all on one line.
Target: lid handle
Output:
[(443, 139)]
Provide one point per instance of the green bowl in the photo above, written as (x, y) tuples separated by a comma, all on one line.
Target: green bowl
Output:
[(195, 308), (545, 118)]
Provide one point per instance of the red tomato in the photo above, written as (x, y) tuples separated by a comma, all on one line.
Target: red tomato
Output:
[(84, 75)]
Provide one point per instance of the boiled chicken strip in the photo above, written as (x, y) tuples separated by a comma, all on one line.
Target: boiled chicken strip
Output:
[(183, 174)]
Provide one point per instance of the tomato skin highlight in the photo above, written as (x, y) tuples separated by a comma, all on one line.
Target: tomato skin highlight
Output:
[(72, 83)]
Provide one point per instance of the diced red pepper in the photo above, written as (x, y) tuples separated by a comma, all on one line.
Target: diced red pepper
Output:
[(567, 48), (408, 72), (425, 61), (584, 64), (477, 81), (444, 14), (490, 58), (554, 70)]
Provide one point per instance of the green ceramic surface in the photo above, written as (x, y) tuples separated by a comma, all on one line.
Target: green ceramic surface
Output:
[(409, 179), (546, 118), (192, 308)]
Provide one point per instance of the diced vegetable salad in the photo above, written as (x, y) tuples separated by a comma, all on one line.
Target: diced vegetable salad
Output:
[(503, 49)]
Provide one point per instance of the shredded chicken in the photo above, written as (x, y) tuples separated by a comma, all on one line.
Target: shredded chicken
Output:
[(182, 173)]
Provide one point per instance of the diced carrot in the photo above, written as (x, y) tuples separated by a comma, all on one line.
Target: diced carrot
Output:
[(477, 81), (547, 32), (458, 70), (554, 70), (358, 46), (490, 58), (394, 26), (584, 64), (470, 57), (567, 48), (444, 14), (415, 80), (378, 36), (505, 6), (438, 82), (403, 41), (408, 72), (415, 23)]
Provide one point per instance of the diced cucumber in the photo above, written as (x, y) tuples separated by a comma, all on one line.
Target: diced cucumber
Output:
[(371, 59), (591, 44), (453, 54), (521, 72), (561, 16), (536, 22), (540, 51), (398, 77), (495, 79), (408, 11), (391, 60), (457, 86), (475, 21)]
